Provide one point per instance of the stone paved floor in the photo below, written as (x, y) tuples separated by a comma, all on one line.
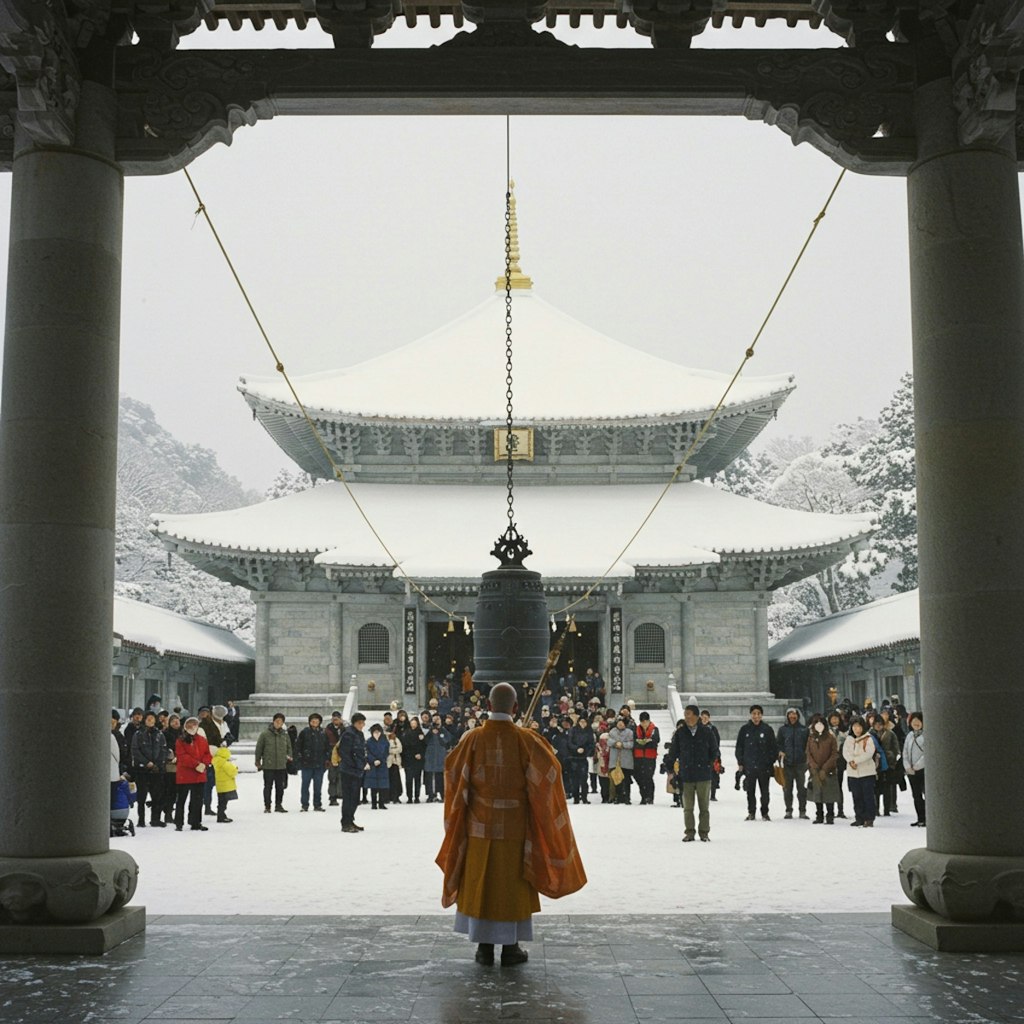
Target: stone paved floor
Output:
[(847, 968)]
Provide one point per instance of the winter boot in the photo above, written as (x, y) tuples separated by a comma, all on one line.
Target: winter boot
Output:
[(819, 814), (485, 954), (829, 816)]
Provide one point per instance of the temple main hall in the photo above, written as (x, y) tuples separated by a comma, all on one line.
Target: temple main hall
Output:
[(600, 428)]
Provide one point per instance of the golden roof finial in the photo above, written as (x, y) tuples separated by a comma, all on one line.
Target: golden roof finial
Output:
[(517, 278)]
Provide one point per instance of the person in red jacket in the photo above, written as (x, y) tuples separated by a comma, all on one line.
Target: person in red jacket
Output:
[(194, 762)]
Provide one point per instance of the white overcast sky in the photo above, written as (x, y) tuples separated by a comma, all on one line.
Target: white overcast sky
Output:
[(355, 235)]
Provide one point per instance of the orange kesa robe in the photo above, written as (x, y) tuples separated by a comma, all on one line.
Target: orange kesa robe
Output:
[(507, 831)]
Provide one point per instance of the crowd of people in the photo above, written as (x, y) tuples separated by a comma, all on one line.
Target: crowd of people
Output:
[(878, 753), (606, 755)]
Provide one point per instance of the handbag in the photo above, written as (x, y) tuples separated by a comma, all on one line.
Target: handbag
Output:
[(779, 774), (617, 775)]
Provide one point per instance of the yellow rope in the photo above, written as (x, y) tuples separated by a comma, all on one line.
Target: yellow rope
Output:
[(747, 356), (340, 475)]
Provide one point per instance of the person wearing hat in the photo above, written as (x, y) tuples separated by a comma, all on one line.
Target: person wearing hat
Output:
[(313, 755), (353, 765), (273, 755), (646, 744), (333, 730), (149, 754)]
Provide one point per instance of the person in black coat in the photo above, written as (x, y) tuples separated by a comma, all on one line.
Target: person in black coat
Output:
[(716, 773), (148, 756), (580, 744), (757, 750), (792, 739), (413, 749), (695, 747), (312, 755), (352, 764)]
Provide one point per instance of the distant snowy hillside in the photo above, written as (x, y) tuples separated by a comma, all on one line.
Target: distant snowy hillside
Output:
[(158, 473)]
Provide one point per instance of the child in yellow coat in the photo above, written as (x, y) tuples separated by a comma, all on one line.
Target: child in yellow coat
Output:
[(225, 771)]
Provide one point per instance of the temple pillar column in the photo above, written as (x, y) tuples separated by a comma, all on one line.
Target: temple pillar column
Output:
[(334, 678), (967, 294), (61, 887)]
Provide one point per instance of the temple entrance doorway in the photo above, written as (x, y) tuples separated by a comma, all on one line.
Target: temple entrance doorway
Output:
[(580, 652), (447, 652)]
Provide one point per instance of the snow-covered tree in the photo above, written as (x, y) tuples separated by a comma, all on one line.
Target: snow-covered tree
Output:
[(885, 466), (291, 483), (158, 473)]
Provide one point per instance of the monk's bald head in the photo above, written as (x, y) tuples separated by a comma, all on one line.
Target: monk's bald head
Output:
[(503, 698)]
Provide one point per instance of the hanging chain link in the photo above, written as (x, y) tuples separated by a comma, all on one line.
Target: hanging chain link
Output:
[(508, 348)]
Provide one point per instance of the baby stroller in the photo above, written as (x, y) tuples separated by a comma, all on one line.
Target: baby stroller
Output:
[(122, 798)]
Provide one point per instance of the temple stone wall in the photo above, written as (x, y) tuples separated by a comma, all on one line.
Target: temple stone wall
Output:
[(728, 654)]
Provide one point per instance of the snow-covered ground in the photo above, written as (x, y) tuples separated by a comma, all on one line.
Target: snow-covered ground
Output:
[(302, 863)]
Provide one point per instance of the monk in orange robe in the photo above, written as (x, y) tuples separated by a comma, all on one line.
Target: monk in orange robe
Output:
[(467, 680), (507, 832)]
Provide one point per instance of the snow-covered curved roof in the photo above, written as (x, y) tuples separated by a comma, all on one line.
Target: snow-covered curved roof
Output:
[(883, 623), (447, 531), (171, 633), (563, 370)]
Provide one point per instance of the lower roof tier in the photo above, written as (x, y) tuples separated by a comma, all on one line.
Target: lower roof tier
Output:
[(446, 532)]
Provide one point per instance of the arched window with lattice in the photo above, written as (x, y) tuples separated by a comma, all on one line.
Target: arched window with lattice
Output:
[(374, 644), (648, 644)]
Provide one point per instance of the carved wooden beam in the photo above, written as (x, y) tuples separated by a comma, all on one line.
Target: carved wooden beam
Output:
[(854, 105)]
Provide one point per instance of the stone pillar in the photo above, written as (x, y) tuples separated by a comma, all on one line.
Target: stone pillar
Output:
[(334, 677), (761, 680), (262, 643), (688, 674), (967, 291), (58, 459)]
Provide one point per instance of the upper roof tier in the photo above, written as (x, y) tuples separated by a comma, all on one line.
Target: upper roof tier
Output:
[(600, 410)]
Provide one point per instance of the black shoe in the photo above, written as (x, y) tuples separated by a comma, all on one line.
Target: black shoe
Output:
[(178, 828), (869, 824), (224, 819), (749, 817), (266, 810), (511, 955), (829, 820), (280, 810), (485, 954), (349, 828), (788, 814), (417, 800), (714, 799), (766, 817), (158, 824), (208, 812), (705, 839), (841, 815), (319, 809), (199, 828), (334, 803), (687, 839), (885, 814), (856, 824), (359, 828), (803, 814)]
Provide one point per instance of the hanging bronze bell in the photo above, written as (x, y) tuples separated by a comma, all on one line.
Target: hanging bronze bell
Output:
[(510, 628)]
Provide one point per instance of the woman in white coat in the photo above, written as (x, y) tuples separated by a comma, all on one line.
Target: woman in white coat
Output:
[(859, 754)]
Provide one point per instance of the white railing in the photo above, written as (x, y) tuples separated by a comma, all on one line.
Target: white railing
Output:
[(351, 704), (675, 703)]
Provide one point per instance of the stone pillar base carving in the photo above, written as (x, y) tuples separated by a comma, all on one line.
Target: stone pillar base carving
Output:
[(67, 890), (965, 888)]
